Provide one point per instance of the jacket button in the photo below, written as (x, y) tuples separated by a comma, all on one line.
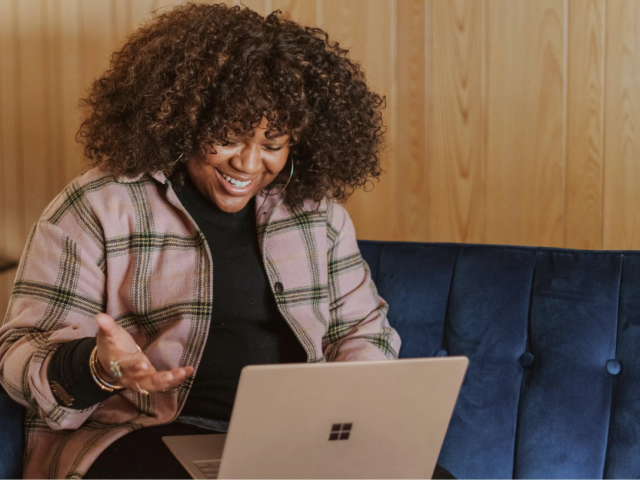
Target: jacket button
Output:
[(278, 287)]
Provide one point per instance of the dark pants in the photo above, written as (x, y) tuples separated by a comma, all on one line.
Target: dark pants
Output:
[(142, 454)]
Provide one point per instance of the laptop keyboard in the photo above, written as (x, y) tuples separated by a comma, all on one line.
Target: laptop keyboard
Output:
[(209, 468)]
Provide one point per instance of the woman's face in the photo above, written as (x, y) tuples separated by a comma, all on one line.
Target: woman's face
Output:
[(236, 172)]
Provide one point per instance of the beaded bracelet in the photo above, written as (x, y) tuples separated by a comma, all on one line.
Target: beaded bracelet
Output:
[(101, 382)]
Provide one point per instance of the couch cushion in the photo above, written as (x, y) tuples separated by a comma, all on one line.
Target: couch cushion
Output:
[(552, 336), (11, 437), (415, 279), (566, 396), (623, 444)]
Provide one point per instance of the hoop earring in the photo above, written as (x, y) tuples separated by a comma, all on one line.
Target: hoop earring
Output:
[(178, 159), (285, 185), (267, 195)]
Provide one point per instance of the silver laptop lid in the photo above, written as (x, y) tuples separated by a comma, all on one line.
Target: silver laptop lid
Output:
[(382, 419)]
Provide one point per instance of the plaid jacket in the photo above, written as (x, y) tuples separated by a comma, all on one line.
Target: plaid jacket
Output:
[(127, 247)]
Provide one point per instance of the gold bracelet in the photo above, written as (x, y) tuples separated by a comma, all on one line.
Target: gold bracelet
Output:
[(101, 382)]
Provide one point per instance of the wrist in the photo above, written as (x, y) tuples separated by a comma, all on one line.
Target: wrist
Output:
[(105, 381)]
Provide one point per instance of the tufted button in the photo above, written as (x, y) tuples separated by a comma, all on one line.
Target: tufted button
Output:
[(526, 359), (613, 367), (441, 353), (278, 287)]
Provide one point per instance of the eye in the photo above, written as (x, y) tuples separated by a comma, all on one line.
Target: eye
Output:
[(226, 143), (273, 148)]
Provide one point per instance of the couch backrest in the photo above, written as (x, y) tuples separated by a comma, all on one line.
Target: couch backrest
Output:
[(11, 437), (554, 378)]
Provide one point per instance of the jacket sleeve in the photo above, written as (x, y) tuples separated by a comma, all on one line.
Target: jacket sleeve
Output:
[(59, 289), (358, 327)]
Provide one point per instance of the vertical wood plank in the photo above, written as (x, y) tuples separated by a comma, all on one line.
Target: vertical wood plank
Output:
[(71, 71), (622, 129), (35, 131), (164, 5), (504, 182), (55, 117), (6, 285), (257, 6), (410, 147), (5, 26), (525, 168), (3, 199), (364, 27), (585, 111), (141, 12), (96, 39), (456, 122), (121, 16), (11, 154), (301, 11)]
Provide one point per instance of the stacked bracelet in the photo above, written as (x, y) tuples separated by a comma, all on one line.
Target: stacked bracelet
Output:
[(100, 381)]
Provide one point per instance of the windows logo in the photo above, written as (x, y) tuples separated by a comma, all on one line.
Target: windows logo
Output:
[(340, 431)]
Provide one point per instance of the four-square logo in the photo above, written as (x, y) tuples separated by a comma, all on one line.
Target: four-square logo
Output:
[(340, 431)]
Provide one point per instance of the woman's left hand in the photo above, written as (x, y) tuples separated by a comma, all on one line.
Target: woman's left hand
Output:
[(123, 363)]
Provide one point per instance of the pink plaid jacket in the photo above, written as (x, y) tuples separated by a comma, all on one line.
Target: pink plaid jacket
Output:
[(128, 248)]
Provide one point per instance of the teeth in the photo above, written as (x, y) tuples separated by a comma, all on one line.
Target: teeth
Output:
[(235, 182)]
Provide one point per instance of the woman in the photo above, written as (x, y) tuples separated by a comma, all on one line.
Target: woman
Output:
[(207, 236)]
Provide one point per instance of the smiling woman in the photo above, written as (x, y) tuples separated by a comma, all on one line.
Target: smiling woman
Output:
[(232, 173), (200, 75), (220, 141)]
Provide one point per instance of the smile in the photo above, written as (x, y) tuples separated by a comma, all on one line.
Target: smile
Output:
[(235, 182)]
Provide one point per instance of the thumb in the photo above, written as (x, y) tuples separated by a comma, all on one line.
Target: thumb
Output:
[(106, 324)]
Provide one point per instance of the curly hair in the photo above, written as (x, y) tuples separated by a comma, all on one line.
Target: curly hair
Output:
[(198, 73)]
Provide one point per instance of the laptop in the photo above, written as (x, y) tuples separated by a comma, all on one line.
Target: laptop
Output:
[(374, 419)]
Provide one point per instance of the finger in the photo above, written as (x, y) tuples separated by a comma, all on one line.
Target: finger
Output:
[(170, 379), (136, 365), (140, 367), (106, 324), (159, 381)]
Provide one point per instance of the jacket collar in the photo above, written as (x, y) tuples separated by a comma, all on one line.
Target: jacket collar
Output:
[(159, 176)]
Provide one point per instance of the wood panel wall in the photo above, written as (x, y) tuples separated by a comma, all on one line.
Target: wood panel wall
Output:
[(509, 121)]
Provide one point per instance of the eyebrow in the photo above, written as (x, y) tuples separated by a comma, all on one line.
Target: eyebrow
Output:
[(277, 135)]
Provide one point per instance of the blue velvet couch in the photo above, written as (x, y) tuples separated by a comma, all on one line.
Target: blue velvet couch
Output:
[(553, 386)]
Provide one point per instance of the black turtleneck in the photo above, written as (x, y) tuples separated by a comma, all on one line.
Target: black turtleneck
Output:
[(246, 326)]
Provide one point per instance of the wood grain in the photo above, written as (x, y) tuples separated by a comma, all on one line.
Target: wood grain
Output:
[(257, 6), (585, 121), (6, 284), (301, 11), (525, 174), (35, 103), (141, 12), (12, 231), (364, 27), (121, 18), (5, 28), (53, 90), (409, 150), (70, 71), (96, 41), (456, 122), (622, 129), (163, 5), (509, 121)]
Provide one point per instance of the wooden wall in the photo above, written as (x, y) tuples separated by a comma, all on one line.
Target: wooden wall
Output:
[(509, 121)]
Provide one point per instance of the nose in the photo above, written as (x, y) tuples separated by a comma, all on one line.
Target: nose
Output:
[(248, 160)]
